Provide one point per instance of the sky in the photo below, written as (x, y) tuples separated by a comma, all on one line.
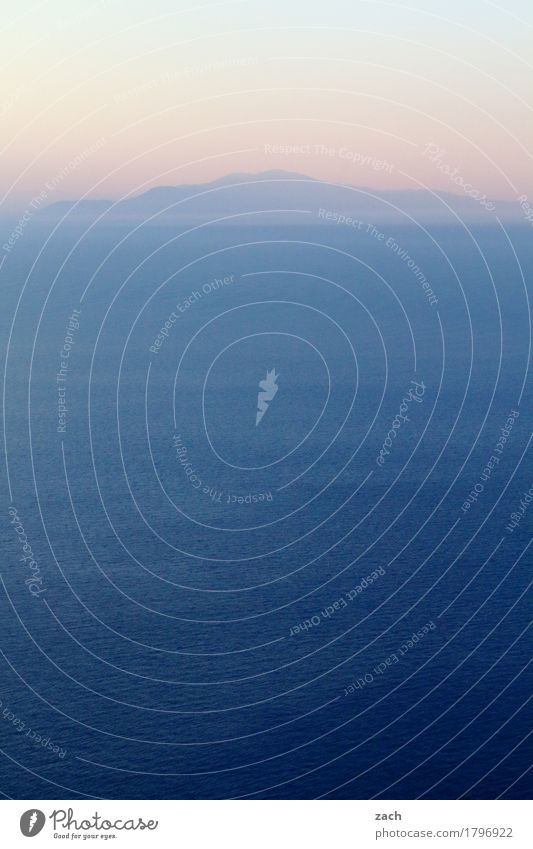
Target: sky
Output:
[(112, 97)]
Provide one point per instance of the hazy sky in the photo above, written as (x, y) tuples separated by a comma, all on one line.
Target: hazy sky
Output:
[(125, 94)]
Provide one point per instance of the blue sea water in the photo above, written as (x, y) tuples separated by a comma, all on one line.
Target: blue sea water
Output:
[(222, 609)]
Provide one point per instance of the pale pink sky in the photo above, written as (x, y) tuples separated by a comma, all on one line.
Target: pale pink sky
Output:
[(135, 95)]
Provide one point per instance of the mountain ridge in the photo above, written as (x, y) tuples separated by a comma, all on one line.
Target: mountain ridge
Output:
[(277, 188)]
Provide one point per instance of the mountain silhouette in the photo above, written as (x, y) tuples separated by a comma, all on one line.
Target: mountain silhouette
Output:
[(239, 196)]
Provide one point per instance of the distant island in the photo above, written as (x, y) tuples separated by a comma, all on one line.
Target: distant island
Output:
[(283, 193)]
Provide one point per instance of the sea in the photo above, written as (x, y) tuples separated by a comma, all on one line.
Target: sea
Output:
[(266, 510)]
